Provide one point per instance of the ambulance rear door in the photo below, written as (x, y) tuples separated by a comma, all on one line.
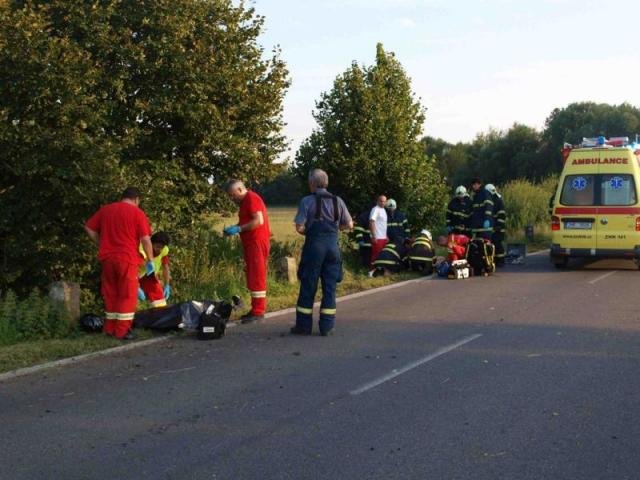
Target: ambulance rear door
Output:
[(577, 208), (617, 196)]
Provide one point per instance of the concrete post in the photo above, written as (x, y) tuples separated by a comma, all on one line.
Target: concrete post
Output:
[(287, 269), (67, 293)]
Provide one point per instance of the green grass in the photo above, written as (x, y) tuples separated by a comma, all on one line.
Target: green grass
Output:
[(205, 266), (282, 226), (541, 238), (280, 221), (31, 353)]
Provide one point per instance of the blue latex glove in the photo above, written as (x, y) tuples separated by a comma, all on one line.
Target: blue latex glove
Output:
[(141, 295), (149, 268), (232, 230), (486, 224), (167, 291), (361, 243), (449, 229)]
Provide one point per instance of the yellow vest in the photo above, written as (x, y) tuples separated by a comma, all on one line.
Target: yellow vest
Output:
[(157, 261)]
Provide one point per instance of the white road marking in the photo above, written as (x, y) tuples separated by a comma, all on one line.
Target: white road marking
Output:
[(539, 252), (602, 277), (396, 372)]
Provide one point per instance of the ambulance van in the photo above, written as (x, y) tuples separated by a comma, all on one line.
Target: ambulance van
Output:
[(596, 208)]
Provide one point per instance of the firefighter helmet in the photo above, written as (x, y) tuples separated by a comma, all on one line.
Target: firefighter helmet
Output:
[(490, 187), (426, 233), (391, 203), (461, 191)]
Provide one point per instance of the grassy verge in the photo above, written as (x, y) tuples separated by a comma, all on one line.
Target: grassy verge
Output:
[(541, 238), (27, 354), (204, 266), (31, 353)]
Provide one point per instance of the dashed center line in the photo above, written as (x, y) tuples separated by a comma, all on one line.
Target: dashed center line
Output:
[(602, 277), (399, 371)]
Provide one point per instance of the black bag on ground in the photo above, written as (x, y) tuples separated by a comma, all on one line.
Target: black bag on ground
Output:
[(91, 322), (213, 321), (480, 255), (162, 318)]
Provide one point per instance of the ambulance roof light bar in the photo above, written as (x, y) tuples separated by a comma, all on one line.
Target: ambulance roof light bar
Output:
[(603, 142)]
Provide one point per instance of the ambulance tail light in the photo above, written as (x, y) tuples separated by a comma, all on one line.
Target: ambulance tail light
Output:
[(637, 224), (555, 223)]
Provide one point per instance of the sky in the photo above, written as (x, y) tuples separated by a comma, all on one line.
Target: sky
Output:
[(475, 65)]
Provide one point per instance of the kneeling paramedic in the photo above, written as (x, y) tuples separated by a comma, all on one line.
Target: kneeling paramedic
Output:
[(320, 217), (150, 286)]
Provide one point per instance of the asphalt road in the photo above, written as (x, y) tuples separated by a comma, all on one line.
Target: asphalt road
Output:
[(530, 374)]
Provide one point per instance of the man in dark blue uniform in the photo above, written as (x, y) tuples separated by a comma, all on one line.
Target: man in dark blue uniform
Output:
[(320, 217), (397, 223), (363, 237), (481, 217)]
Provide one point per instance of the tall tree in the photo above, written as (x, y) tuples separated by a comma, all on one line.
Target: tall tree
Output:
[(163, 94), (585, 119), (452, 160), (500, 156), (367, 140)]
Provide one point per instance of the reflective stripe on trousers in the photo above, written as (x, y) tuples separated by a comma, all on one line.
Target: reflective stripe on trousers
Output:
[(320, 261)]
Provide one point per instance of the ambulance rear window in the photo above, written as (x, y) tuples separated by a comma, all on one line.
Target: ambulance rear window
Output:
[(578, 190), (617, 189)]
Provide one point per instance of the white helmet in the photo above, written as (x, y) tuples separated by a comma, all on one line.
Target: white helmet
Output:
[(490, 187), (426, 233), (391, 203), (461, 191)]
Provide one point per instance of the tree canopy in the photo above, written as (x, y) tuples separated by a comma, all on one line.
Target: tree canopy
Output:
[(523, 152), (167, 95), (367, 139)]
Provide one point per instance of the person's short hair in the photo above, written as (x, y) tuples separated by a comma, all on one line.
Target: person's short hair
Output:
[(319, 178), (232, 183), (160, 237), (476, 180), (130, 193)]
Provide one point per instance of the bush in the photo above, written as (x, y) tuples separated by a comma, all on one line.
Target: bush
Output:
[(209, 265), (33, 318), (527, 203)]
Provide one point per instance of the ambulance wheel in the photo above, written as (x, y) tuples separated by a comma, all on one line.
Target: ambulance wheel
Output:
[(560, 262)]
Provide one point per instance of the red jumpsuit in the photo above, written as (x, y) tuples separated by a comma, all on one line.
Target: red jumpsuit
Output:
[(120, 226), (255, 244), (456, 246), (150, 284)]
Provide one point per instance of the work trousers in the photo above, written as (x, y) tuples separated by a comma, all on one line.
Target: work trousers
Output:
[(320, 260), (119, 290), (256, 258), (498, 240), (365, 256), (376, 247), (152, 289)]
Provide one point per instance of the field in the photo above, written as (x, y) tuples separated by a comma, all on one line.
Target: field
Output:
[(280, 220)]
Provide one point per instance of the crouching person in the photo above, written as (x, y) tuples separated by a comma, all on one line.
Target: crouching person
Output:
[(389, 260), (151, 288), (421, 254)]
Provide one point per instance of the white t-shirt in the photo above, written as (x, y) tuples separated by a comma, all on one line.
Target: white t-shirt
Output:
[(379, 216)]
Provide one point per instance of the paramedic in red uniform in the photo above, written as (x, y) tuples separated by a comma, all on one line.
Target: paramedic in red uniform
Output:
[(254, 231), (456, 246), (118, 229)]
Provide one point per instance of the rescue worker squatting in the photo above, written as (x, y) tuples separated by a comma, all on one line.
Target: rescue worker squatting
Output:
[(118, 228), (255, 234), (320, 217)]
